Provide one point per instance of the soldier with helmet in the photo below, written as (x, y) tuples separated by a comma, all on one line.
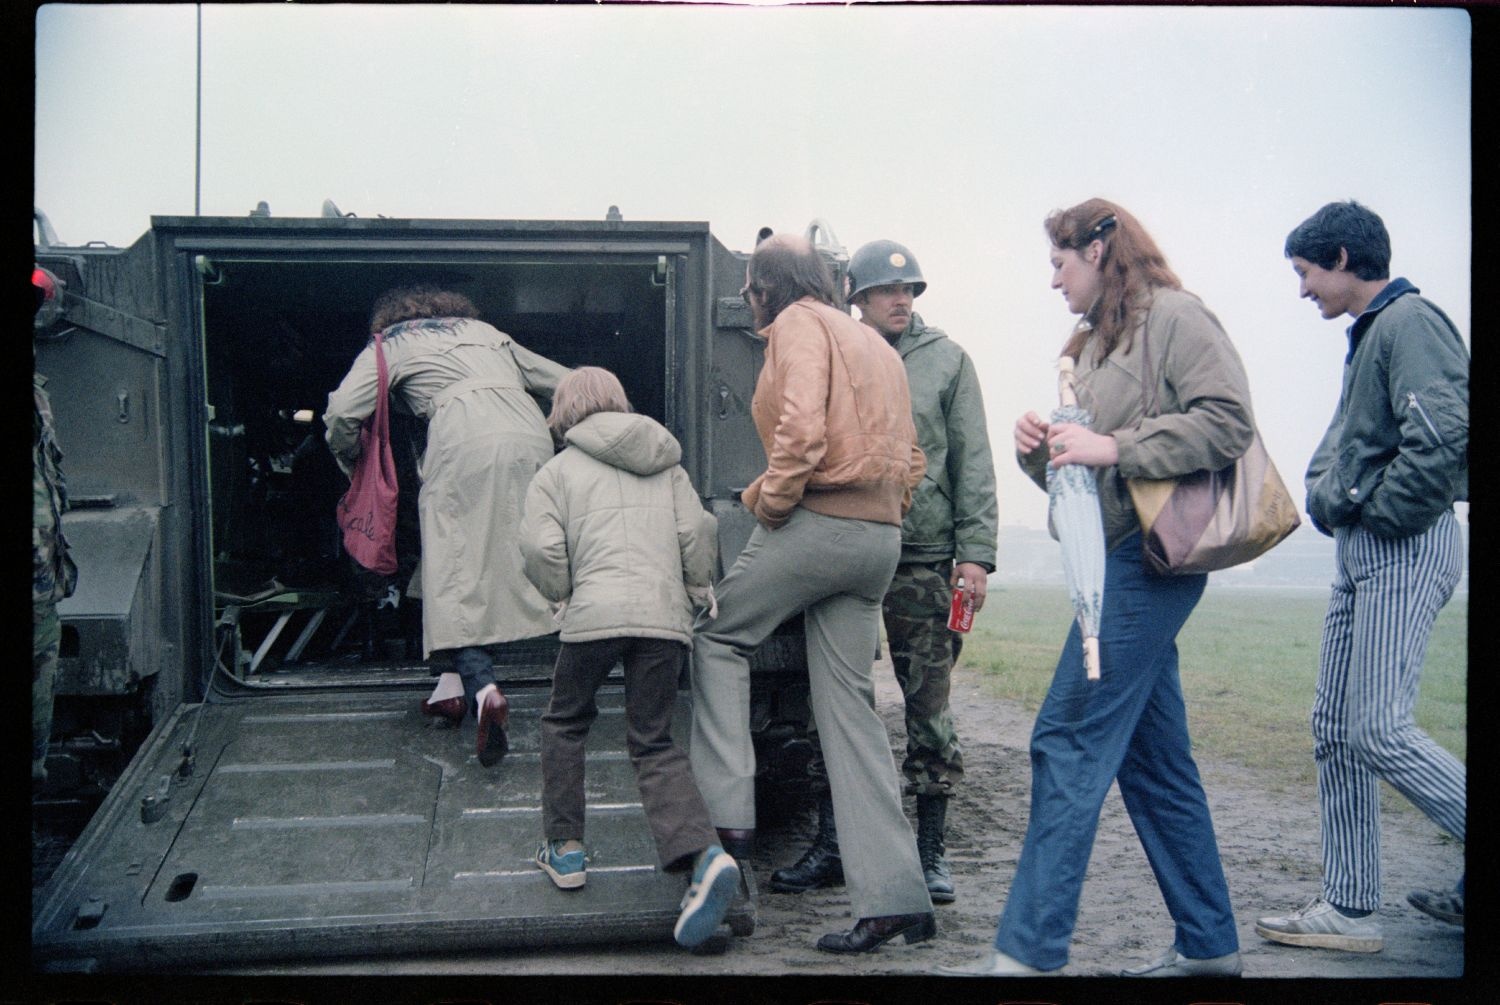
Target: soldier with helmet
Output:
[(947, 537), (53, 574)]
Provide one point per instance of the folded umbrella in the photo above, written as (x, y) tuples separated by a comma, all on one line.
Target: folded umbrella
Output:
[(1073, 505)]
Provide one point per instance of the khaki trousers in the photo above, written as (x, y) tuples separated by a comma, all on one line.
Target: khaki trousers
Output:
[(835, 571)]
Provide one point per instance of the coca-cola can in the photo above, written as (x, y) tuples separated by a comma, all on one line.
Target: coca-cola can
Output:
[(961, 612)]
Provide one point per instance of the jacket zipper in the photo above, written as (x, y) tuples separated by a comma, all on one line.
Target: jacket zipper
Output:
[(1412, 402)]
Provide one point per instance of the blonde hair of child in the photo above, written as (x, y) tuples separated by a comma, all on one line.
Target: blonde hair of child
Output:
[(582, 393)]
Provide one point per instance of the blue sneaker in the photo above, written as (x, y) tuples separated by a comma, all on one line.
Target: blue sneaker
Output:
[(565, 868), (716, 877)]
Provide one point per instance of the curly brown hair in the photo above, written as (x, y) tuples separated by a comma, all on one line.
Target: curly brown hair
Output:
[(419, 300), (1130, 268)]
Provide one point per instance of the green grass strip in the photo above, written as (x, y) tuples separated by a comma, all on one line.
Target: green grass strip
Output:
[(1249, 664)]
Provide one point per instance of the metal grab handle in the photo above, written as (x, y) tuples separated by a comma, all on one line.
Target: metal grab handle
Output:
[(154, 804), (821, 235)]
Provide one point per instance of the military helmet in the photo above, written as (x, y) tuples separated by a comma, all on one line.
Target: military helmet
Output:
[(880, 263)]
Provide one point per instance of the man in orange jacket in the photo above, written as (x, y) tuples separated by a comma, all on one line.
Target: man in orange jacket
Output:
[(833, 411)]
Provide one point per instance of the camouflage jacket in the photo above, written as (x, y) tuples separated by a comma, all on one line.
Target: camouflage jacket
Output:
[(53, 573)]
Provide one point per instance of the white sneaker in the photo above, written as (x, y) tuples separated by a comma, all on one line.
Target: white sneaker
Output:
[(1320, 925), (1173, 964), (996, 964)]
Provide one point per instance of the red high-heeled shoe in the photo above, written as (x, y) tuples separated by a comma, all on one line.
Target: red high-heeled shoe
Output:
[(493, 715), (446, 706), (450, 709)]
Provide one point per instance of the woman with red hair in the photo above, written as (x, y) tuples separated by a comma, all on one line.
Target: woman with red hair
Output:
[(1168, 396)]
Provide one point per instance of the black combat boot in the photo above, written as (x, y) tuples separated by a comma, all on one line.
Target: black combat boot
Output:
[(820, 865), (931, 813)]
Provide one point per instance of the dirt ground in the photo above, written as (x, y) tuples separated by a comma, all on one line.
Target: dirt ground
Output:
[(1269, 846)]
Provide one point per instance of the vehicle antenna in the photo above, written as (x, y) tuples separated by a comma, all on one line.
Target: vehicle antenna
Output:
[(198, 118)]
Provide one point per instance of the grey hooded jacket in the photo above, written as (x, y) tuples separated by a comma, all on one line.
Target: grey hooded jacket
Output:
[(614, 528)]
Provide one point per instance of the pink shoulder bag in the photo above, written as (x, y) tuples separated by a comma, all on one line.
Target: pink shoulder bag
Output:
[(367, 512)]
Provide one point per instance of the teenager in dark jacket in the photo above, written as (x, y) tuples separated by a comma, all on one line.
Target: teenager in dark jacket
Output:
[(1382, 483)]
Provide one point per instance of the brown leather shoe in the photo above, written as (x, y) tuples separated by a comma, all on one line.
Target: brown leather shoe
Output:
[(869, 934), (739, 843), (493, 715), (445, 711)]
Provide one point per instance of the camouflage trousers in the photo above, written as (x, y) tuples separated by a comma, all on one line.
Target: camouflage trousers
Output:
[(922, 650), (46, 636)]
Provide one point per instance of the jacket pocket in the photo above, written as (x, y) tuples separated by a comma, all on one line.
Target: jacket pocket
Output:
[(1437, 415), (929, 523), (1426, 428), (1337, 497)]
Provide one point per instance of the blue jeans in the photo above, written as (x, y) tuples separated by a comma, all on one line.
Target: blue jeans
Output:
[(476, 669), (1130, 726)]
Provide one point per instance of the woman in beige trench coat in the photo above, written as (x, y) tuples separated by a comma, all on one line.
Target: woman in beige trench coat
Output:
[(486, 437)]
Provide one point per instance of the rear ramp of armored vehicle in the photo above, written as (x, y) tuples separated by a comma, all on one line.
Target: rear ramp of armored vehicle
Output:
[(342, 824)]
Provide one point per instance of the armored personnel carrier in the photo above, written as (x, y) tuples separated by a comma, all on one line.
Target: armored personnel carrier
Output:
[(238, 704)]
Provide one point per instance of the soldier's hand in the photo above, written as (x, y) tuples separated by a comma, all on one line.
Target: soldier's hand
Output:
[(976, 581)]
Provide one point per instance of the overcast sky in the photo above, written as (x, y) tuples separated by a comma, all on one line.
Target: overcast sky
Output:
[(953, 129)]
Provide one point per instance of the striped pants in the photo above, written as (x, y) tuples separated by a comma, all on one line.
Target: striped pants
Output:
[(1386, 596)]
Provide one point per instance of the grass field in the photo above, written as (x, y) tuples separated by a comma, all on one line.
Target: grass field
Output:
[(1249, 660)]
